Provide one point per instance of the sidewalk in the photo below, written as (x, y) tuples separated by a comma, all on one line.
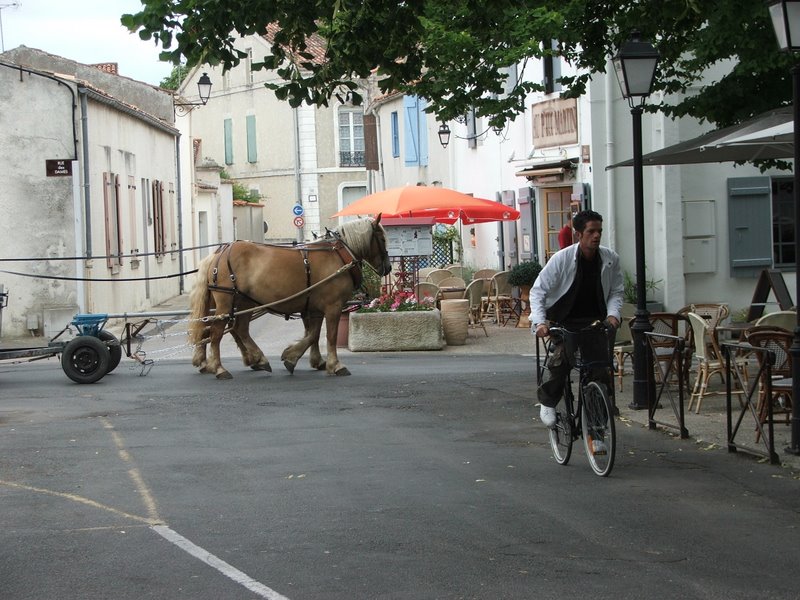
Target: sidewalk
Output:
[(273, 333)]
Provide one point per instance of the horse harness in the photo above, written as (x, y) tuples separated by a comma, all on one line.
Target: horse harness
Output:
[(349, 261)]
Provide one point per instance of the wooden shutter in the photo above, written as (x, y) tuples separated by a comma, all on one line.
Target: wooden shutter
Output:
[(411, 130), (228, 124), (749, 225), (252, 147), (371, 161)]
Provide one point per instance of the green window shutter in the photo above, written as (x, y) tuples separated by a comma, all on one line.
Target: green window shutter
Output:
[(228, 141), (749, 225), (252, 152)]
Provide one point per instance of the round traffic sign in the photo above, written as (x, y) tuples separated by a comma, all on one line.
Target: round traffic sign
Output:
[(298, 210), (299, 222)]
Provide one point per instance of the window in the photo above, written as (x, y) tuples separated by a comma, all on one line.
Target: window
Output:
[(552, 70), (395, 135), (228, 124), (159, 227), (416, 132), (134, 243), (351, 137), (111, 200), (252, 150), (783, 209), (248, 67)]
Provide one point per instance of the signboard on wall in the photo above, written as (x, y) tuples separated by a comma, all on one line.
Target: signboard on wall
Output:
[(409, 241), (555, 123)]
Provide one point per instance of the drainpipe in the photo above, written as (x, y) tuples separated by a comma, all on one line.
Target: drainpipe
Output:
[(181, 262), (610, 175), (296, 117), (87, 204)]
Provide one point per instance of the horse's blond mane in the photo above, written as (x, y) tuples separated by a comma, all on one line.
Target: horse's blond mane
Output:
[(358, 236)]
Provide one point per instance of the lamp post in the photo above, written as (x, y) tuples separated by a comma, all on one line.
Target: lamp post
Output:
[(635, 66), (786, 21), (203, 90)]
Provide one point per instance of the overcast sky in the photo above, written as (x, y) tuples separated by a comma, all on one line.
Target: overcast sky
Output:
[(86, 31)]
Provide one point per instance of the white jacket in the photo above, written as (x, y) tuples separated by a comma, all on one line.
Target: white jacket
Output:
[(558, 274)]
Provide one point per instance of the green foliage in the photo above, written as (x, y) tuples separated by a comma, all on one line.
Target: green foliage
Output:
[(174, 80), (445, 235), (650, 285), (524, 273), (454, 53)]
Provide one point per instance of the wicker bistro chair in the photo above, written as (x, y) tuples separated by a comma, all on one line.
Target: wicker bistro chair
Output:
[(500, 302), (474, 293), (784, 319), (623, 342), (426, 289), (779, 342), (710, 360), (437, 275)]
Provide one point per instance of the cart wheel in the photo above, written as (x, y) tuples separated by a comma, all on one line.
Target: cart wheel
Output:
[(114, 348), (85, 359)]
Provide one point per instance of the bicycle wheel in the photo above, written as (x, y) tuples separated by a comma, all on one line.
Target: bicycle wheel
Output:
[(561, 433), (597, 423)]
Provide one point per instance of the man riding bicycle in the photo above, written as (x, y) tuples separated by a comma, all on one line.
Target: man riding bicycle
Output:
[(579, 285)]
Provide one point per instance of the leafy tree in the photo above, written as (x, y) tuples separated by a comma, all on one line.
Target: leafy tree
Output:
[(175, 78), (452, 52)]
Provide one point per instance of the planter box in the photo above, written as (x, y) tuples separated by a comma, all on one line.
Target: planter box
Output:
[(395, 331)]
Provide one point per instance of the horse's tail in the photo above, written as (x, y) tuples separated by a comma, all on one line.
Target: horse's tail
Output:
[(199, 302)]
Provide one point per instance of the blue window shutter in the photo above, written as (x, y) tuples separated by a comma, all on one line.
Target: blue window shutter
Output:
[(395, 135), (411, 129), (252, 151), (422, 120), (749, 225), (228, 141)]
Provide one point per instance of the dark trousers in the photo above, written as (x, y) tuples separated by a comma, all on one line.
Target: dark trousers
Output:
[(555, 374)]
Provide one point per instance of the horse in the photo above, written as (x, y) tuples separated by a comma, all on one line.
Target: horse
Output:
[(241, 280)]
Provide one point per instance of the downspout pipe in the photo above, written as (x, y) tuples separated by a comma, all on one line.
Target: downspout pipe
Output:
[(87, 204), (179, 194)]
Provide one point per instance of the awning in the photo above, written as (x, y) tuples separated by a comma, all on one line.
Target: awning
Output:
[(544, 169), (540, 172), (763, 137)]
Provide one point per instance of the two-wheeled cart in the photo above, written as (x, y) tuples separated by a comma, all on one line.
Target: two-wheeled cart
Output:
[(93, 351)]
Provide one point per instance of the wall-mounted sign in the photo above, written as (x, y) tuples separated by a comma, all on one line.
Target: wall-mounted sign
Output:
[(555, 123), (58, 167), (298, 210), (299, 222)]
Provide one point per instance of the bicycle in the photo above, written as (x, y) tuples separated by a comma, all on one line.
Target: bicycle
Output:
[(593, 417)]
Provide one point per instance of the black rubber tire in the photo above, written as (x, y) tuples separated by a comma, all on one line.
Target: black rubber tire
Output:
[(561, 433), (85, 359), (114, 348), (597, 421)]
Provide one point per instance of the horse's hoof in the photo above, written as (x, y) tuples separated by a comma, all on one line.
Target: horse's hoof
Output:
[(289, 366), (224, 375), (205, 369), (262, 367), (341, 372), (320, 366)]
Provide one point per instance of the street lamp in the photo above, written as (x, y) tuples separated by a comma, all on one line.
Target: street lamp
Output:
[(635, 65), (786, 21), (444, 135), (203, 90)]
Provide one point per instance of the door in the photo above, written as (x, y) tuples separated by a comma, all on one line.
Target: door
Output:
[(557, 211)]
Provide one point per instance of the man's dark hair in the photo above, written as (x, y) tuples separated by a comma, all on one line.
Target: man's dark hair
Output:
[(579, 220)]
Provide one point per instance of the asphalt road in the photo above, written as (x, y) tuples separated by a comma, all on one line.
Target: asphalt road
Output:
[(418, 477)]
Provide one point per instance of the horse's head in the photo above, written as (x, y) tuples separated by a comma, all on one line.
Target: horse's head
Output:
[(382, 263), (366, 239)]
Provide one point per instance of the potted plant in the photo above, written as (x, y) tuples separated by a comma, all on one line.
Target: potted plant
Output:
[(523, 275), (650, 286)]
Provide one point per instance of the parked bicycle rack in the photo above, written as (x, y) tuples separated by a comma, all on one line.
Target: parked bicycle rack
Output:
[(675, 366), (746, 404)]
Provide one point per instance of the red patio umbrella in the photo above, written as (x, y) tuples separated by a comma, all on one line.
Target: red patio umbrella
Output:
[(446, 205)]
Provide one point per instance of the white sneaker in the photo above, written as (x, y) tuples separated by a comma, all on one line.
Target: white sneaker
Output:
[(548, 416), (599, 447)]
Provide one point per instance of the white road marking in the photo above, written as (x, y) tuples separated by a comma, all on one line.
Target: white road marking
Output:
[(217, 563)]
